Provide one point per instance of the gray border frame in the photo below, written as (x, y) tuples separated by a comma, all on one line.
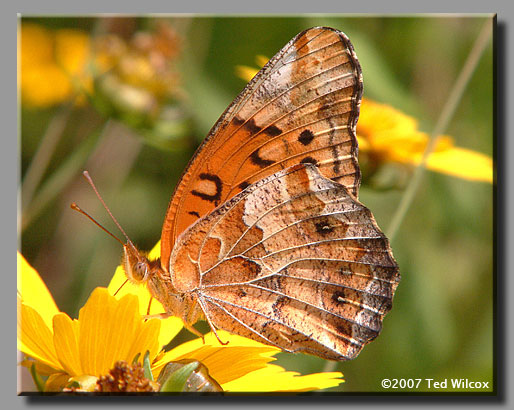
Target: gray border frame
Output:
[(504, 151)]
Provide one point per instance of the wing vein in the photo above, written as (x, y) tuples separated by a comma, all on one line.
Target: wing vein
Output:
[(289, 90), (349, 339), (235, 203), (303, 245), (318, 308)]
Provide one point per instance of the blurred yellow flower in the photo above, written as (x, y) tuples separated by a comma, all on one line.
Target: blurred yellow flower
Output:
[(56, 65), (385, 134), (246, 72), (111, 329), (52, 64)]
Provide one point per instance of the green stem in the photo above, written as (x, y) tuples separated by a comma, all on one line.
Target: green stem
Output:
[(60, 178), (40, 384), (442, 123), (44, 153)]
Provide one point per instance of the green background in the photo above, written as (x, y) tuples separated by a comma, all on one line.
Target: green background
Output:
[(441, 324)]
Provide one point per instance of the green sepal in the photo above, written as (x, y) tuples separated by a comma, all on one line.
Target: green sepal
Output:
[(37, 380), (176, 381), (136, 358), (147, 366)]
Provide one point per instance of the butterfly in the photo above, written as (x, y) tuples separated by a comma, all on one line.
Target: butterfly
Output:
[(264, 235)]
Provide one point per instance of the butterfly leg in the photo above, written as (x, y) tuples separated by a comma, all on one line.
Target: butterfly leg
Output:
[(211, 324), (194, 331), (166, 315), (191, 315), (149, 304), (216, 334), (163, 315)]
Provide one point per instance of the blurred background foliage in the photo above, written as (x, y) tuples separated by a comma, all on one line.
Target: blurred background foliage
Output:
[(130, 98)]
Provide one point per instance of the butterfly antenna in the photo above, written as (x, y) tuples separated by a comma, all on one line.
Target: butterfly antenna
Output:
[(123, 284), (85, 174), (75, 207), (149, 305)]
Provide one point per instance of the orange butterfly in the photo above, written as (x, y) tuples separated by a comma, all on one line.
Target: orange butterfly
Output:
[(264, 236)]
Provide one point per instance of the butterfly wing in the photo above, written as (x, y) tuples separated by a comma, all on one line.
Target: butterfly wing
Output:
[(294, 261), (302, 107)]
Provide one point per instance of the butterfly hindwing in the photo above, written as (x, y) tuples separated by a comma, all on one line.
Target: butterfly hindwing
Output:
[(294, 261), (302, 107)]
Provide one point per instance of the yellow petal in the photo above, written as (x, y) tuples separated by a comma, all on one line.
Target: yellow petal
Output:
[(364, 144), (462, 163), (243, 365), (106, 330), (404, 147), (171, 326), (55, 88), (242, 360), (34, 292), (72, 50), (35, 46), (274, 378), (34, 337), (87, 383), (44, 81), (122, 329), (66, 335), (245, 72), (155, 252), (393, 136), (96, 319), (261, 60), (146, 339), (41, 368), (445, 158), (112, 330), (246, 355), (375, 117), (210, 339), (56, 382)]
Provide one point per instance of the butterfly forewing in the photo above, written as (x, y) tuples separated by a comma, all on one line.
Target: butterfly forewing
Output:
[(302, 107), (294, 261)]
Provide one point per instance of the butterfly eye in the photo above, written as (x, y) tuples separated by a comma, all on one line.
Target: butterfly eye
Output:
[(140, 271)]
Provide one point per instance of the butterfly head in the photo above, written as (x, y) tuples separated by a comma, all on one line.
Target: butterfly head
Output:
[(136, 265)]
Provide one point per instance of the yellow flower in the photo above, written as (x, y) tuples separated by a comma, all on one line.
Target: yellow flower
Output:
[(388, 135), (247, 73), (110, 329), (52, 64), (243, 365), (66, 350)]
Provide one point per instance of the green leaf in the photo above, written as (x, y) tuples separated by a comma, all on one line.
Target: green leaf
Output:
[(147, 366), (37, 380), (136, 358), (66, 171), (177, 380)]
